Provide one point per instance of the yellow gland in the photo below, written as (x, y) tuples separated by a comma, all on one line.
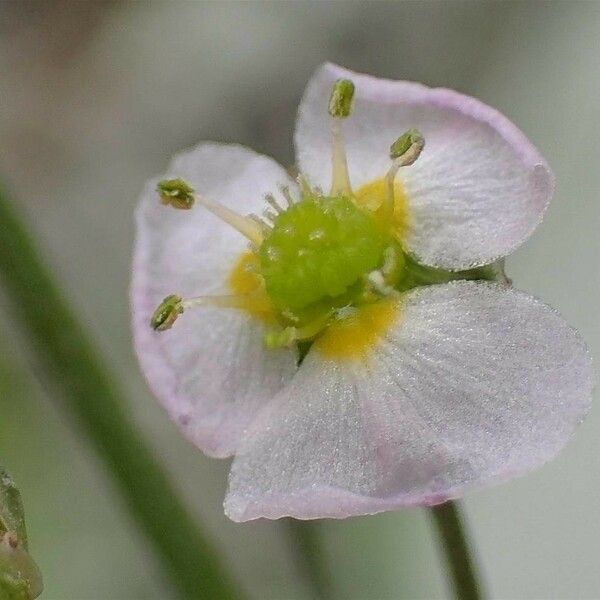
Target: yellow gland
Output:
[(245, 281), (373, 196), (355, 335)]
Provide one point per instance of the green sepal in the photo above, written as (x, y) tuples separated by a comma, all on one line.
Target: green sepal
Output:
[(20, 577), (12, 515), (415, 274)]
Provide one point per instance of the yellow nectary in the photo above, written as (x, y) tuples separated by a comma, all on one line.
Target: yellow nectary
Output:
[(355, 335), (373, 196)]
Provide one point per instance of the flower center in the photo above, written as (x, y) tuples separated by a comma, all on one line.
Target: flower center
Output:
[(324, 260), (319, 249), (329, 268)]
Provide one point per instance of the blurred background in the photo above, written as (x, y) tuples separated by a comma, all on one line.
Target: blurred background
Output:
[(94, 99)]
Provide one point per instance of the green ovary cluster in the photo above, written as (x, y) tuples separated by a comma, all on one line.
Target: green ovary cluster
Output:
[(319, 250)]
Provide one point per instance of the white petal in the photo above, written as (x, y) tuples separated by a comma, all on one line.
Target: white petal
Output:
[(475, 383), (476, 193), (210, 370)]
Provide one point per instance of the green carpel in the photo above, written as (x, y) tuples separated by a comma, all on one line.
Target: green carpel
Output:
[(318, 249)]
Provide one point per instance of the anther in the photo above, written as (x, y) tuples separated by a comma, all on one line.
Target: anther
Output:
[(340, 106), (167, 312), (172, 306), (270, 215), (378, 283), (270, 200), (390, 261), (283, 338), (407, 148), (280, 338), (306, 190), (340, 101), (179, 194), (285, 192), (403, 152), (176, 193)]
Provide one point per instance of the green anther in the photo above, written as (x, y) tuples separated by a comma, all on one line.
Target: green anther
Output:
[(176, 193), (408, 146), (340, 102), (280, 338), (318, 250), (167, 312)]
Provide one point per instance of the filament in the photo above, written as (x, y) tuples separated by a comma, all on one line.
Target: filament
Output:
[(245, 225), (340, 179)]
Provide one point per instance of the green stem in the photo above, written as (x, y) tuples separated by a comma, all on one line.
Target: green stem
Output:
[(92, 398), (460, 564), (307, 547)]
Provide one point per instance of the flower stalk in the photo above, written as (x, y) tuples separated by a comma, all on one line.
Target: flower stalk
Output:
[(462, 570), (93, 399), (307, 547)]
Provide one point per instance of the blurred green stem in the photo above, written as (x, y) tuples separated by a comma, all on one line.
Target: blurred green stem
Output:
[(307, 547), (91, 397), (453, 538)]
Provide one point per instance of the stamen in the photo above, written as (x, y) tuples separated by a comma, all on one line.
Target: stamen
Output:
[(270, 199), (226, 301), (178, 194), (264, 226), (287, 336), (173, 305), (340, 106), (377, 281), (245, 225), (280, 338), (407, 148), (167, 312), (340, 101), (390, 261), (305, 188), (270, 215), (285, 192), (403, 152)]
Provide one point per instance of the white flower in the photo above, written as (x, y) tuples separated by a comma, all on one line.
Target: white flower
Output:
[(421, 380)]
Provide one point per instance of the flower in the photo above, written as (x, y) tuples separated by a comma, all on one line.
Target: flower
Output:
[(358, 349)]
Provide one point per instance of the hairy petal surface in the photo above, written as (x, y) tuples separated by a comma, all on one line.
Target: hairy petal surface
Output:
[(211, 370), (474, 383), (477, 191)]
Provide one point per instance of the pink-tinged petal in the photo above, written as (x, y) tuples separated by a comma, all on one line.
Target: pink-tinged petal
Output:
[(476, 193), (211, 370), (473, 384)]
